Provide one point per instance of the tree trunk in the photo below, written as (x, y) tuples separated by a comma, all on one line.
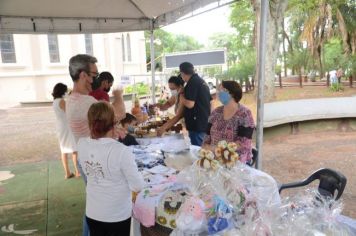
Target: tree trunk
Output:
[(274, 21), (353, 43), (327, 79), (284, 51), (280, 80), (300, 78), (321, 71), (343, 31)]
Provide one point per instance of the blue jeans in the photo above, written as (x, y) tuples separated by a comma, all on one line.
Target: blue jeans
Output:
[(196, 138), (85, 227), (85, 224)]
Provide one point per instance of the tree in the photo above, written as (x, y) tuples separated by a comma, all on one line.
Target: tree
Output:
[(227, 41), (322, 20), (166, 42), (274, 21), (299, 60), (333, 57)]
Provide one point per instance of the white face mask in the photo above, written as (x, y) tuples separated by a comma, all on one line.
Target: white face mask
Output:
[(174, 92)]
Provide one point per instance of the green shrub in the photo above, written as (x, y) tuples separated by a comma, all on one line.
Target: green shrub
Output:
[(336, 87), (139, 88)]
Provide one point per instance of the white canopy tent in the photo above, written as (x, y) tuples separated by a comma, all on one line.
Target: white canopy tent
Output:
[(96, 16), (104, 16)]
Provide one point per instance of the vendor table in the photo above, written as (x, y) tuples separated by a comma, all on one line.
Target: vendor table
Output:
[(166, 156)]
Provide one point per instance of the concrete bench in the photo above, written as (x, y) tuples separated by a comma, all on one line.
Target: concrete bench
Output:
[(278, 113)]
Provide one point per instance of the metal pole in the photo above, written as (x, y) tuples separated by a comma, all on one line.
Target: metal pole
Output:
[(153, 64), (261, 80)]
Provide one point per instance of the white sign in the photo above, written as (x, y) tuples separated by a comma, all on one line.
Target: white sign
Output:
[(125, 80)]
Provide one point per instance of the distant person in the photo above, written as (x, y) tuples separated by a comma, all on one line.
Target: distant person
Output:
[(101, 87), (111, 172), (333, 77), (66, 139), (129, 123), (214, 100), (176, 85), (196, 100), (232, 122)]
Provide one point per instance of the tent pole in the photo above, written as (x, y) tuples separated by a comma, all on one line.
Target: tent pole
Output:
[(153, 64), (261, 81)]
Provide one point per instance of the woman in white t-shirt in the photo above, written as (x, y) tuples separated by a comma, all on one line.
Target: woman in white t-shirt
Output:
[(111, 173), (66, 139)]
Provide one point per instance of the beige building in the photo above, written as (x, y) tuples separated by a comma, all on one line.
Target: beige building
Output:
[(30, 65)]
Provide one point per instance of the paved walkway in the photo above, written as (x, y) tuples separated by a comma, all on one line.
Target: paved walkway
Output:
[(277, 113)]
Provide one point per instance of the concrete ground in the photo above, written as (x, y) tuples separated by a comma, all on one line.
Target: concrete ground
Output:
[(38, 197)]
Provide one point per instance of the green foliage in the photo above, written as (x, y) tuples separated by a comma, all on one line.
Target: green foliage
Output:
[(350, 66), (212, 71), (298, 59), (323, 31), (138, 88), (242, 18), (336, 87), (333, 57), (348, 11), (242, 70), (227, 41), (166, 42)]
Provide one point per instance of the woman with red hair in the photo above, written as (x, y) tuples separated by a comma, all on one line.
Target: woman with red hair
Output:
[(111, 173)]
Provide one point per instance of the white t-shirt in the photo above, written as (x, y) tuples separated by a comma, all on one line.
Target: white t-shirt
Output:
[(77, 107), (112, 174)]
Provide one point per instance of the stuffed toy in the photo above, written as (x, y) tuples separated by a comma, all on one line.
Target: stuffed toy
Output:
[(191, 217), (226, 154), (206, 160)]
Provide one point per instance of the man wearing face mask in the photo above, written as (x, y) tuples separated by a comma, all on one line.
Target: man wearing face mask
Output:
[(101, 86), (83, 71), (231, 122), (196, 101), (175, 84)]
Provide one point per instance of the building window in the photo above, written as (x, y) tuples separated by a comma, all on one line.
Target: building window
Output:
[(53, 48), (128, 42), (7, 48), (123, 47), (89, 44)]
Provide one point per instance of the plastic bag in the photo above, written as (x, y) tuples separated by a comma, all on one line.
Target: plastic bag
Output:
[(191, 216)]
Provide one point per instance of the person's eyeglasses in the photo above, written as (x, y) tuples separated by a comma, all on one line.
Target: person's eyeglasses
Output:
[(93, 74)]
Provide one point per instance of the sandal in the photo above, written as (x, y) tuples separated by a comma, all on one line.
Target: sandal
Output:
[(69, 176)]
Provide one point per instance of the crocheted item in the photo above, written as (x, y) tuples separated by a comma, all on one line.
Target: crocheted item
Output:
[(206, 160), (226, 154), (168, 207)]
